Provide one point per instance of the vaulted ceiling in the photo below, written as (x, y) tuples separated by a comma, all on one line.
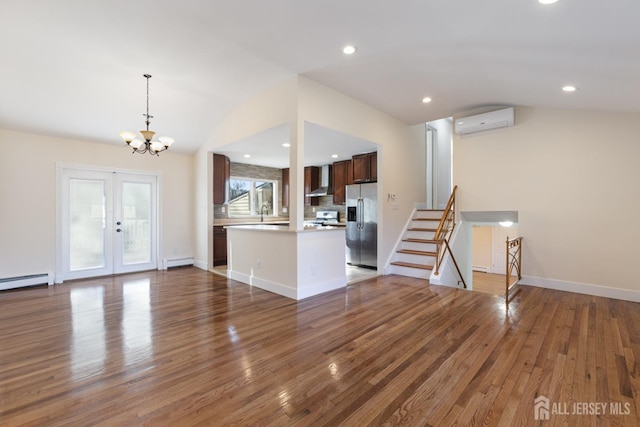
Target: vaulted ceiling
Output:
[(73, 68)]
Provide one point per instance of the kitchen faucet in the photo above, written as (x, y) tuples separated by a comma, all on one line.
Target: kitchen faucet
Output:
[(262, 217)]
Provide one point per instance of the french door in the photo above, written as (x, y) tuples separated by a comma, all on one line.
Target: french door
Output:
[(108, 223)]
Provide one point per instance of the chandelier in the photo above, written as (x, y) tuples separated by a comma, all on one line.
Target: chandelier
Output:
[(146, 144)]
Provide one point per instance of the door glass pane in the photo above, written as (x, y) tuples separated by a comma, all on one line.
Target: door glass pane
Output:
[(87, 223), (136, 222)]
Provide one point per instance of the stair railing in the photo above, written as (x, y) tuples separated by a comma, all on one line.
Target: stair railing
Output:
[(443, 234), (514, 264)]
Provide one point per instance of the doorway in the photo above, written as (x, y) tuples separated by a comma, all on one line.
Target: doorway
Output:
[(439, 162), (489, 252), (107, 223)]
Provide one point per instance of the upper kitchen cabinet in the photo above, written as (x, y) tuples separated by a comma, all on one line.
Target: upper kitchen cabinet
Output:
[(365, 167), (311, 182), (221, 173), (342, 176), (285, 188)]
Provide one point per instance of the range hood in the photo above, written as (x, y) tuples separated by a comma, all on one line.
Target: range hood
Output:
[(325, 183)]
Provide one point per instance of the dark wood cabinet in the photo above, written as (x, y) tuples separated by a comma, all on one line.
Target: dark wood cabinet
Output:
[(373, 167), (365, 167), (311, 182), (221, 173), (285, 188), (219, 245), (342, 176)]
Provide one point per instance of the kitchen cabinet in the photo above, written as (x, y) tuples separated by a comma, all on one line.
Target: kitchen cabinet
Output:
[(342, 176), (365, 167), (311, 182), (219, 245), (221, 173), (285, 188)]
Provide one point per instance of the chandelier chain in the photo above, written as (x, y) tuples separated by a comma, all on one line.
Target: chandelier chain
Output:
[(148, 117)]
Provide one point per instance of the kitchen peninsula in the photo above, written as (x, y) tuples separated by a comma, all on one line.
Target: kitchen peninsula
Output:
[(293, 263)]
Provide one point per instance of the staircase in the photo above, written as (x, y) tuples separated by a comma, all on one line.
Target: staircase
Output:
[(417, 252)]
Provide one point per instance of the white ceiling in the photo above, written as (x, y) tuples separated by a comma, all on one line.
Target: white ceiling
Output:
[(73, 68), (320, 145)]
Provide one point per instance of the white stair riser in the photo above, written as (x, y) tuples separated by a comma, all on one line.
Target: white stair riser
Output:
[(429, 247), (410, 272), (424, 235), (414, 259), (429, 214), (424, 224)]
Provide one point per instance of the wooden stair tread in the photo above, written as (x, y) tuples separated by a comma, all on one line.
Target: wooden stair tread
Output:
[(411, 265), (415, 252), (423, 229), (430, 210), (420, 241), (426, 219)]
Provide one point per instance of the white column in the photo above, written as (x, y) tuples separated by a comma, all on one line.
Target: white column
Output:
[(296, 175)]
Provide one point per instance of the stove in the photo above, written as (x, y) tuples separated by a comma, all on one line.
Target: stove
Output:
[(324, 218)]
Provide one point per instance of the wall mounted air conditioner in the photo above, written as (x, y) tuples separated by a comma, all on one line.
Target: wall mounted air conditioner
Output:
[(485, 121)]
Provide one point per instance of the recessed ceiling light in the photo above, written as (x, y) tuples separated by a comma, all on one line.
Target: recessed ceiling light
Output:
[(335, 156), (246, 156), (569, 88), (426, 100), (506, 223), (547, 1), (349, 50), (286, 144)]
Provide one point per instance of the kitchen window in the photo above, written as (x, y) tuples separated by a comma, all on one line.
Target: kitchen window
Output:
[(247, 196)]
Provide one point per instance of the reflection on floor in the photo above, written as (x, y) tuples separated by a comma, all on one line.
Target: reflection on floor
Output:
[(354, 274), (490, 283), (358, 274)]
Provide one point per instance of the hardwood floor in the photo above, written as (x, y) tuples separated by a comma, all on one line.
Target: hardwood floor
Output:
[(490, 283), (188, 347)]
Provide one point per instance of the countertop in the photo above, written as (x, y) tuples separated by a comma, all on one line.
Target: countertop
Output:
[(277, 222), (284, 228), (238, 221)]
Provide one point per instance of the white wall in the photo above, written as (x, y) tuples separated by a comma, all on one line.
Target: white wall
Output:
[(482, 247), (266, 110), (572, 176), (401, 153), (400, 170), (444, 129), (28, 196)]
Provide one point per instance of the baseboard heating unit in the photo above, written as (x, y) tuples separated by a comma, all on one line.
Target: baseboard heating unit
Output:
[(178, 262), (22, 281)]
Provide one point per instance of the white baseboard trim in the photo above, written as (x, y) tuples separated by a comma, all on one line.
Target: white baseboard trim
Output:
[(320, 288), (276, 288), (288, 291), (582, 288), (266, 285), (177, 262), (24, 281), (481, 269), (202, 265)]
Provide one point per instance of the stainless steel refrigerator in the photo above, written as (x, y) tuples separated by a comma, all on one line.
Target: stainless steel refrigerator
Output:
[(362, 225)]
